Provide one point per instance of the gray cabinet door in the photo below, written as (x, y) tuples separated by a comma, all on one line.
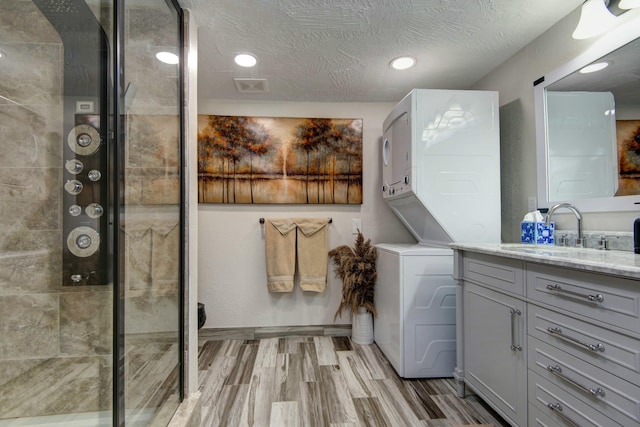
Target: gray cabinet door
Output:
[(494, 354)]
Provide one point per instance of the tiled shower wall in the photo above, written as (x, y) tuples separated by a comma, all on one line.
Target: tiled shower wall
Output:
[(56, 342)]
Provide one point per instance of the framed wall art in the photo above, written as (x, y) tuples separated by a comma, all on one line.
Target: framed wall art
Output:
[(628, 136), (279, 160)]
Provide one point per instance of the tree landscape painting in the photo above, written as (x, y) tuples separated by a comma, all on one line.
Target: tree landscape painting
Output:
[(628, 140), (279, 160)]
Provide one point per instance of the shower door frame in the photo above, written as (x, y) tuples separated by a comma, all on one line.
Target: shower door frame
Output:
[(117, 156)]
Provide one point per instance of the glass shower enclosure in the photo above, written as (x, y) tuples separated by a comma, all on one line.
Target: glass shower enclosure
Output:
[(91, 212)]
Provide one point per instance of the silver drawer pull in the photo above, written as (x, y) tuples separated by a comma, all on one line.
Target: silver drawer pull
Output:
[(597, 298), (557, 370), (558, 409), (514, 312), (558, 333)]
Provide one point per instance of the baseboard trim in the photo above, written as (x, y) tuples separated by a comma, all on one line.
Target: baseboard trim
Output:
[(218, 334)]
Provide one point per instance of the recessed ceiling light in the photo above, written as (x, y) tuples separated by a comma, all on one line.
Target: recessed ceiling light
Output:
[(168, 57), (2, 55), (592, 68), (403, 62), (245, 60)]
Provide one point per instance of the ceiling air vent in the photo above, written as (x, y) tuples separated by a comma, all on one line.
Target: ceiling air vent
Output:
[(250, 85)]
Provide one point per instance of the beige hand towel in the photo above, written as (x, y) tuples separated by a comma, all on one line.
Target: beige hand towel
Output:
[(312, 253), (280, 252)]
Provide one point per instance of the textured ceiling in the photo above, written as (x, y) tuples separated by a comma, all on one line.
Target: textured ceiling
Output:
[(339, 50)]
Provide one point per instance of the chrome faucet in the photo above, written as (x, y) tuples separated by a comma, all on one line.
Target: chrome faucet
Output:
[(547, 221)]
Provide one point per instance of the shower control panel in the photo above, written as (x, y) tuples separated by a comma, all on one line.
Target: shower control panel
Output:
[(85, 194), (86, 102)]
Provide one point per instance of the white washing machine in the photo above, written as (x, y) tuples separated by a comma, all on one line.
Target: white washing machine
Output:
[(441, 177), (416, 304)]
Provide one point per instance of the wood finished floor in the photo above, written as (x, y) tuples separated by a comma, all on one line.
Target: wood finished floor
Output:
[(323, 381)]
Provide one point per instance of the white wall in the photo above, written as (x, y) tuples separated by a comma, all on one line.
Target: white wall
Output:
[(514, 80), (232, 276)]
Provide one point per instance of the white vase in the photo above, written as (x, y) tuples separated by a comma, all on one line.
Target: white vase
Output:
[(362, 327)]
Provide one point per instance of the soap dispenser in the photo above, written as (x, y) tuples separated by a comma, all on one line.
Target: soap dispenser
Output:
[(636, 234)]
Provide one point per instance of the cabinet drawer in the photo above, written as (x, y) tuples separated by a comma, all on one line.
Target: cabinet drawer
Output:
[(501, 273), (538, 419), (563, 408), (607, 299), (605, 392), (614, 352)]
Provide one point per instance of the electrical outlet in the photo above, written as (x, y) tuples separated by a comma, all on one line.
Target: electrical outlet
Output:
[(532, 204), (356, 225)]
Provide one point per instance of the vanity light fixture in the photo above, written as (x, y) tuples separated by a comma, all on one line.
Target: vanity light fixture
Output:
[(629, 4), (167, 58), (592, 68), (245, 60), (403, 62), (595, 19)]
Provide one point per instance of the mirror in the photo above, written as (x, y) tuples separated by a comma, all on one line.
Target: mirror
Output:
[(588, 127)]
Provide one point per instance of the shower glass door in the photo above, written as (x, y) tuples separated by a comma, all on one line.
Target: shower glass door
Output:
[(90, 212), (150, 212)]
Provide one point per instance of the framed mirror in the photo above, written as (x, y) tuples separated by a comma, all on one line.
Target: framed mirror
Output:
[(588, 127)]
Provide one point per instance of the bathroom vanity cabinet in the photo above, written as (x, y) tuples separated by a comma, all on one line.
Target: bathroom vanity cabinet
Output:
[(550, 337)]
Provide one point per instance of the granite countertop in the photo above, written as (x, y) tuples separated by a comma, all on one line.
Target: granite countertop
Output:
[(619, 263)]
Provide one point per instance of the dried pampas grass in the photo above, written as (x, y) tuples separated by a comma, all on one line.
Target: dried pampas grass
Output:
[(357, 269)]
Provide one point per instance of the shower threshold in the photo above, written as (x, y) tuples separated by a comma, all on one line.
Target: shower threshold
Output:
[(81, 419)]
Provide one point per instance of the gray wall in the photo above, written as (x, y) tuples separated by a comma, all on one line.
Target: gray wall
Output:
[(514, 80)]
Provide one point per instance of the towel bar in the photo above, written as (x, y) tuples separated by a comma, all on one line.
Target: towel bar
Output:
[(262, 220)]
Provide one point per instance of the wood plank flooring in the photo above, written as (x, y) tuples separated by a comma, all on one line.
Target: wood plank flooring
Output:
[(323, 381)]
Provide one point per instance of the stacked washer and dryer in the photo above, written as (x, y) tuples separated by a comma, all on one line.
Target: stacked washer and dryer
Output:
[(441, 177)]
